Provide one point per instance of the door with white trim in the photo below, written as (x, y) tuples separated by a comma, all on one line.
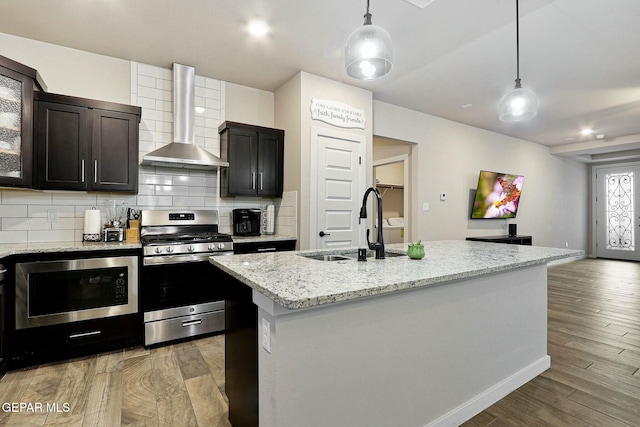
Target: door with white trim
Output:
[(617, 212), (337, 182)]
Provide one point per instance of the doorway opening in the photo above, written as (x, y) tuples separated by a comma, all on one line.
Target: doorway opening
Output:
[(392, 176)]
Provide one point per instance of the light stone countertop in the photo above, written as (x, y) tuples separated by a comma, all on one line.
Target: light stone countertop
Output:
[(9, 249), (296, 282)]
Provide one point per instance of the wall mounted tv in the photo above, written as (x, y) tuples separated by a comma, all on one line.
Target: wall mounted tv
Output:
[(497, 195)]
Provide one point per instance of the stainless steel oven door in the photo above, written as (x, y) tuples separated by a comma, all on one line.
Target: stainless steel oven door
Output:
[(54, 292)]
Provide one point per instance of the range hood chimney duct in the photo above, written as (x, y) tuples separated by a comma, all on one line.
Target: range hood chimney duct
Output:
[(182, 152)]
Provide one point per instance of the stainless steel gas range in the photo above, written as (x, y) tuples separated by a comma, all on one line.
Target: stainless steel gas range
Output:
[(183, 295)]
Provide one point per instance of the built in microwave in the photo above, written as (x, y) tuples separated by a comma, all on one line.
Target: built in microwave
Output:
[(70, 290)]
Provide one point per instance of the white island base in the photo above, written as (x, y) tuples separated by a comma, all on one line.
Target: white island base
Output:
[(431, 356)]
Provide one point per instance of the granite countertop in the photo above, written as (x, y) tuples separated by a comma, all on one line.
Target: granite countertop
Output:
[(262, 238), (54, 247), (296, 282)]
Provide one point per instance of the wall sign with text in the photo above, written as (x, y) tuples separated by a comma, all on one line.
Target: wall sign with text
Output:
[(337, 114)]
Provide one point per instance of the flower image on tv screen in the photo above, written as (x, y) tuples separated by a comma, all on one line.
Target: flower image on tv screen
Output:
[(497, 195)]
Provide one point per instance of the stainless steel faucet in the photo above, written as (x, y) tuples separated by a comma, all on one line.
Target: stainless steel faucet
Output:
[(378, 246)]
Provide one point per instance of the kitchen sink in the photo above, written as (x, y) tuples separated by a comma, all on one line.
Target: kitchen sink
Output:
[(328, 257)]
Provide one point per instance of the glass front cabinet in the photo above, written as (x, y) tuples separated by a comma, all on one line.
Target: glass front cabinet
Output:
[(17, 83)]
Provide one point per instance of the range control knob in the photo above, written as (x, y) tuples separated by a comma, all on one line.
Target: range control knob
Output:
[(211, 246), (169, 249), (158, 250), (191, 248), (220, 245)]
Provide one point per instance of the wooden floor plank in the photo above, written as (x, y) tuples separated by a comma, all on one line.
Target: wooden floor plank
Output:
[(209, 407), (138, 396), (104, 403)]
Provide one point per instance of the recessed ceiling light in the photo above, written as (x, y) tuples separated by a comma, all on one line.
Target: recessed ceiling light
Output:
[(568, 139), (467, 105), (600, 136), (586, 132), (258, 28)]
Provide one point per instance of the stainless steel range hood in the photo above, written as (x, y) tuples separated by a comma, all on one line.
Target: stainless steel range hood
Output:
[(182, 152)]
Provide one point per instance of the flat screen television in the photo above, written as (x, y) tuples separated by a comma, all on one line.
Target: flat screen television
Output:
[(497, 195)]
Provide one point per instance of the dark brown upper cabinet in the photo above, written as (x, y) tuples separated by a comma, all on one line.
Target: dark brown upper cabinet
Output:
[(83, 144), (256, 160), (17, 84)]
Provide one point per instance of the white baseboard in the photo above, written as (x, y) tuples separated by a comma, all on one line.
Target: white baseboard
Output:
[(490, 396)]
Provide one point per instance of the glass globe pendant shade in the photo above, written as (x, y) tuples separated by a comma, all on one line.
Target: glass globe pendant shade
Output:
[(518, 105), (368, 53)]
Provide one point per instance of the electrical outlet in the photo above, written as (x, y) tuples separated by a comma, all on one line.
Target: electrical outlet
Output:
[(52, 215), (443, 197), (266, 335), (425, 207)]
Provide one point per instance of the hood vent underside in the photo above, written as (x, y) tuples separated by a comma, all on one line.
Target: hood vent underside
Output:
[(182, 152)]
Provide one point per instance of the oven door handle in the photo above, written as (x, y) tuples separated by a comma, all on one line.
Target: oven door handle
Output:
[(175, 259), (191, 323)]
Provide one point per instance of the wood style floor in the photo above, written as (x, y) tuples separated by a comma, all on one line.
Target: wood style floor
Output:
[(176, 385), (594, 380)]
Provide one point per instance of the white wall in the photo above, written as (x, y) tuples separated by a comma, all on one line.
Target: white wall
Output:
[(71, 72), (554, 201)]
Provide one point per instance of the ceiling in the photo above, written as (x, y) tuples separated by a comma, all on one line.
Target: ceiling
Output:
[(579, 56)]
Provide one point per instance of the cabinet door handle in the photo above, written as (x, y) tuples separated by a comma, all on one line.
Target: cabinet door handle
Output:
[(82, 169), (95, 171), (85, 334), (261, 180), (253, 180)]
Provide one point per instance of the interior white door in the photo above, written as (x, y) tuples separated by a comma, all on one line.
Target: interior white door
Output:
[(617, 212), (338, 186)]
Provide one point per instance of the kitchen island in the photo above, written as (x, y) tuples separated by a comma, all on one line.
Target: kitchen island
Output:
[(396, 341)]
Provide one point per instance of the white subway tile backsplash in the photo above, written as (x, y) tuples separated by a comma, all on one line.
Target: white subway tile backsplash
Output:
[(157, 94), (146, 81), (15, 237), (57, 210), (164, 84), (25, 198), (189, 202), (164, 105), (16, 224), (15, 211), (172, 190), (153, 71), (159, 201), (145, 102), (51, 236)]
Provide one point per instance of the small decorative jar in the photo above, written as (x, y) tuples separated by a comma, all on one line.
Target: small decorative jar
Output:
[(416, 250)]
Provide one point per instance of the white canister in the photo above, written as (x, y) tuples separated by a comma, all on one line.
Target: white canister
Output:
[(270, 220), (92, 226)]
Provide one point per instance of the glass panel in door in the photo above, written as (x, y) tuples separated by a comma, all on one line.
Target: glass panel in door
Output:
[(617, 212), (10, 127)]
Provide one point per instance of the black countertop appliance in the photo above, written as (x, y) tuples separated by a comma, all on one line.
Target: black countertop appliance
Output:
[(246, 222)]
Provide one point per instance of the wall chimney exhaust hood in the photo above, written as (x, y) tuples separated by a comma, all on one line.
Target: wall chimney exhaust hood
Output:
[(182, 152)]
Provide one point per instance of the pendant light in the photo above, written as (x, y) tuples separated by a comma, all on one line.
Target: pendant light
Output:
[(519, 104), (368, 53)]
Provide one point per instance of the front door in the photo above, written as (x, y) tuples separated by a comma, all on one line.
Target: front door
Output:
[(617, 212), (340, 176)]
